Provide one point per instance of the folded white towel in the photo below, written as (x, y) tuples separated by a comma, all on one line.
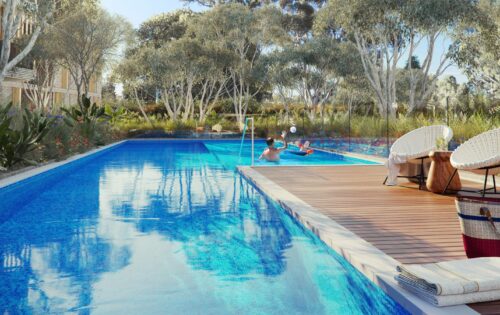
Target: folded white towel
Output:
[(453, 277), (448, 300)]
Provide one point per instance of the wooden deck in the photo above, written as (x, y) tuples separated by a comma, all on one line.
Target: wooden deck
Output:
[(410, 225)]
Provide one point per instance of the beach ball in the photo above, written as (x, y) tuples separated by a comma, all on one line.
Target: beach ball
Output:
[(293, 129)]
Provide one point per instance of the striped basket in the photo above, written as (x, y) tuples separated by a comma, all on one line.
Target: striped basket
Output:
[(480, 223)]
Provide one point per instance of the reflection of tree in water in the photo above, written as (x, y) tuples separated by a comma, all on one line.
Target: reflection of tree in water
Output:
[(225, 225), (51, 256), (55, 249)]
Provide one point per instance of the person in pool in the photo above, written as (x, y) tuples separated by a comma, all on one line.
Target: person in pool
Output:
[(272, 154)]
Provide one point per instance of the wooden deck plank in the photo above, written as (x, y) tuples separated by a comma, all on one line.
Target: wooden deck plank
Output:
[(410, 225)]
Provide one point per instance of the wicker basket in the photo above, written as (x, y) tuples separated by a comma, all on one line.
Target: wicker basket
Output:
[(480, 223)]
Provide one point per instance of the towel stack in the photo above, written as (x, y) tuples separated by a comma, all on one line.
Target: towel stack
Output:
[(453, 282)]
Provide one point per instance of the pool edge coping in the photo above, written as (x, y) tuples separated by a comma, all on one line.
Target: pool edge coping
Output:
[(377, 266), (10, 180)]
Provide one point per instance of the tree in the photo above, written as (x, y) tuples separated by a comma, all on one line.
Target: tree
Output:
[(84, 41), (477, 47), (109, 91), (214, 3), (316, 68), (378, 33), (413, 63), (39, 89), (156, 33), (386, 31), (130, 72), (447, 89), (186, 69), (164, 27), (429, 21), (243, 33), (299, 17), (39, 13)]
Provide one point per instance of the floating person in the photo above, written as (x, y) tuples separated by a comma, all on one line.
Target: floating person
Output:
[(304, 148), (271, 153)]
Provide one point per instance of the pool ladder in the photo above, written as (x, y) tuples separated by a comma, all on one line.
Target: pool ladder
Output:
[(243, 139)]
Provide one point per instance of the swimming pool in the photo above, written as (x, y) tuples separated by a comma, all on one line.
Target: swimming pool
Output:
[(165, 227)]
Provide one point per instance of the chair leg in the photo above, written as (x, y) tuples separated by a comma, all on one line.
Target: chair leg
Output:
[(485, 182), (494, 184), (421, 178), (385, 180), (449, 181)]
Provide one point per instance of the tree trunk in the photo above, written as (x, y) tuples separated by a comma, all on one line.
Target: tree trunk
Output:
[(381, 78), (141, 108)]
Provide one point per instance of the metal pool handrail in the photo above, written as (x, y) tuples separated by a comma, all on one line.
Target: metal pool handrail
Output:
[(243, 139)]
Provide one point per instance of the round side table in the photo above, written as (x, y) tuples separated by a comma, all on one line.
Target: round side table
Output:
[(440, 172)]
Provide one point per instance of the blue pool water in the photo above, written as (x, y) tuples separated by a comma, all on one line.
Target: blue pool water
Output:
[(159, 227), (228, 153)]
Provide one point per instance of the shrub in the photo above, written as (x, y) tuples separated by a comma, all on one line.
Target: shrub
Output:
[(179, 125), (17, 143)]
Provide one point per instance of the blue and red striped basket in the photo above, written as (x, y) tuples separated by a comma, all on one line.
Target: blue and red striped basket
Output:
[(480, 223)]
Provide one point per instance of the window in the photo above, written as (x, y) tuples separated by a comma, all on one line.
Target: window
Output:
[(16, 96), (58, 99), (64, 78)]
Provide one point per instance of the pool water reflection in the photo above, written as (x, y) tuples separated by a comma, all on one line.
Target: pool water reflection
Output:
[(157, 227)]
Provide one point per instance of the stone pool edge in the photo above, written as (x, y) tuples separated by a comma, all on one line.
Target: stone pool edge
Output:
[(10, 180), (377, 266)]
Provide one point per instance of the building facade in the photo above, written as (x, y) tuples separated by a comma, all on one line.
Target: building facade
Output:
[(62, 90)]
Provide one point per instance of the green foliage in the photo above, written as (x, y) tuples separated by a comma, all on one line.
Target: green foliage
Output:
[(16, 143), (164, 27), (88, 112), (87, 119), (114, 113), (178, 125), (477, 46)]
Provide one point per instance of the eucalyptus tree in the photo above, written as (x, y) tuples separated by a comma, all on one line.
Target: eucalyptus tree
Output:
[(39, 89), (244, 34), (187, 72), (477, 47), (316, 68), (85, 40), (131, 72), (378, 33), (190, 73), (386, 32), (299, 17), (165, 27), (430, 21), (282, 78), (214, 3), (38, 13)]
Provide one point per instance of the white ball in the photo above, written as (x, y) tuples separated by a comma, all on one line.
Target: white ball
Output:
[(293, 129)]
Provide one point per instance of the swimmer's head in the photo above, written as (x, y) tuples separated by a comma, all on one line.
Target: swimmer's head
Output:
[(270, 142)]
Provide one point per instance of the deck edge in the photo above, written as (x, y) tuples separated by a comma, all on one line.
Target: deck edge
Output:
[(377, 266)]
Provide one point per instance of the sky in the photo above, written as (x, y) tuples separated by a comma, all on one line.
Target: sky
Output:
[(137, 11)]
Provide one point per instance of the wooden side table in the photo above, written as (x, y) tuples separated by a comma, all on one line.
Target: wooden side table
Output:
[(440, 172)]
